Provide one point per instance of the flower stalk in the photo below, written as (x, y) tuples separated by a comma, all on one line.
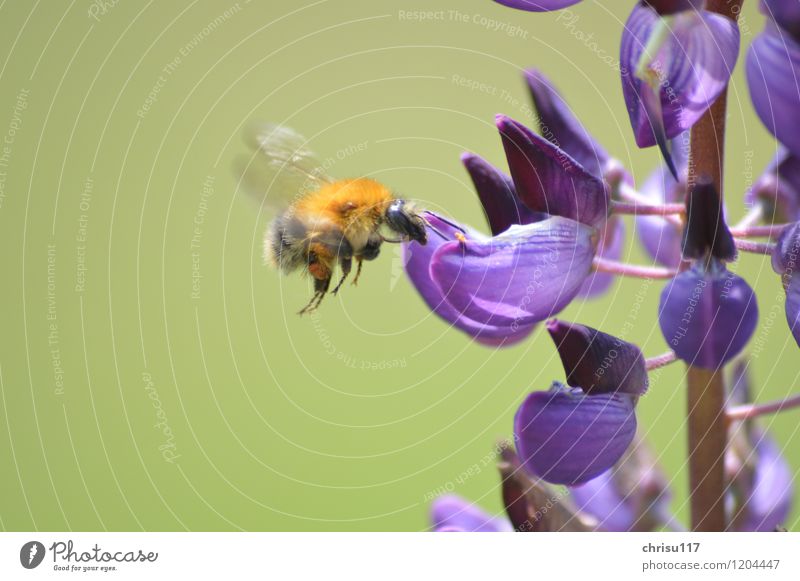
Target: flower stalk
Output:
[(707, 421), (754, 410), (639, 209), (632, 270)]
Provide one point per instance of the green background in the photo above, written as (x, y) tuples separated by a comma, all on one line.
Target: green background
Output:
[(343, 421)]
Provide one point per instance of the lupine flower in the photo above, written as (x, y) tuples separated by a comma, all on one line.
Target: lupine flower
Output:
[(558, 125), (573, 433), (773, 67), (631, 496), (545, 220), (760, 479), (707, 313), (673, 68), (786, 13), (785, 262), (660, 237), (537, 5), (777, 190), (452, 513)]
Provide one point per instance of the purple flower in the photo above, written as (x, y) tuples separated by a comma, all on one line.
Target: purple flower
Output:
[(761, 481), (786, 13), (537, 5), (773, 70), (666, 7), (660, 237), (777, 190), (569, 435), (785, 262), (673, 70), (632, 496), (452, 513), (707, 314)]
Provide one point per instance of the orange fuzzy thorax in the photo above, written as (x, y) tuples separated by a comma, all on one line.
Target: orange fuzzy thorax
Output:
[(356, 205)]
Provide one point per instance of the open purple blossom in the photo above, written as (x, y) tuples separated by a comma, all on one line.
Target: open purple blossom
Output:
[(673, 69), (660, 237), (785, 262), (773, 70), (631, 496), (452, 513), (777, 191), (569, 435)]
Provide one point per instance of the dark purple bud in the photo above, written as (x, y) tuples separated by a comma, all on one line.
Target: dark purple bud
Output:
[(537, 5), (793, 307), (786, 13), (597, 362), (452, 513), (558, 125), (706, 233), (532, 504), (665, 7), (778, 189), (496, 191), (548, 180), (568, 437), (707, 315), (772, 62), (682, 74)]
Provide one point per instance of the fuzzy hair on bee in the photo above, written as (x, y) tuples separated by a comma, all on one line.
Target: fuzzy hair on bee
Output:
[(328, 223)]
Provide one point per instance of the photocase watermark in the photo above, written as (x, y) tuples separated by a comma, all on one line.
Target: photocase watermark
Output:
[(173, 65), (6, 147), (168, 449), (570, 20), (99, 8), (53, 344), (206, 193), (477, 19)]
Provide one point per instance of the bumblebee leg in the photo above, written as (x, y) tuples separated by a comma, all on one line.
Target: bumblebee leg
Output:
[(346, 265), (360, 262), (319, 266)]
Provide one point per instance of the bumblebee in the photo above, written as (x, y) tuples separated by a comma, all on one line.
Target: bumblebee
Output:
[(321, 223)]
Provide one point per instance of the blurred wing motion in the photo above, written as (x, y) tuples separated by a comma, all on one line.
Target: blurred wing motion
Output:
[(281, 168)]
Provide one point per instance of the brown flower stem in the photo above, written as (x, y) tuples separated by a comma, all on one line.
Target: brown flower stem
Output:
[(707, 421)]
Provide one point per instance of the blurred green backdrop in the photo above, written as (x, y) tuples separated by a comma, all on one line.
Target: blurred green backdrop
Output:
[(154, 373)]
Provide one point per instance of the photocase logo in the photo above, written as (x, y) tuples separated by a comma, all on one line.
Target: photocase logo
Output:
[(31, 554)]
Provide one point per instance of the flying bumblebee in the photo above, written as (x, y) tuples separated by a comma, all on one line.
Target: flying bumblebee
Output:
[(320, 222)]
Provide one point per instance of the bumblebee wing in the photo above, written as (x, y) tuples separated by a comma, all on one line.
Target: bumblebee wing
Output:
[(280, 167)]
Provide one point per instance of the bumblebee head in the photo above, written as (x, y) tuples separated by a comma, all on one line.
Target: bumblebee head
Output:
[(401, 218)]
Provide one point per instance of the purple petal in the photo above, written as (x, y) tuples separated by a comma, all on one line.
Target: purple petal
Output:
[(691, 69), (417, 260), (496, 191), (786, 13), (793, 307), (518, 278), (787, 251), (600, 498), (768, 501), (707, 316), (610, 247), (452, 513), (537, 5), (567, 437), (773, 66), (778, 189), (548, 180), (661, 238), (597, 362), (558, 125)]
